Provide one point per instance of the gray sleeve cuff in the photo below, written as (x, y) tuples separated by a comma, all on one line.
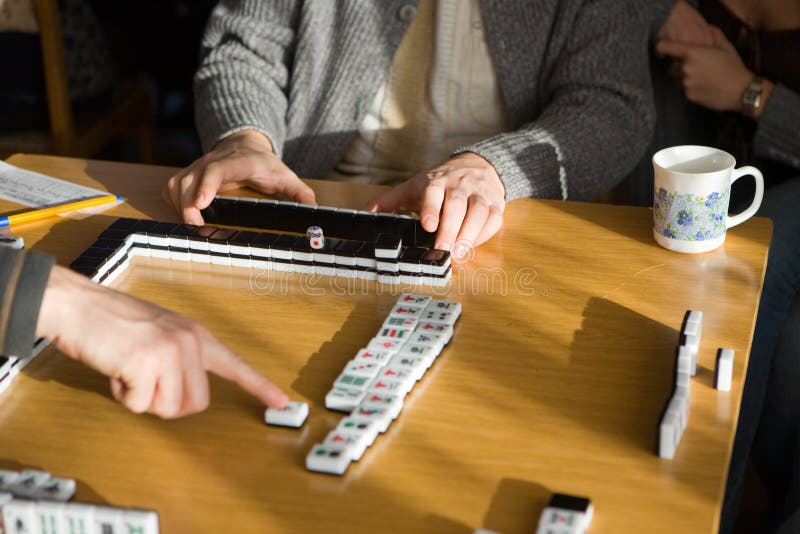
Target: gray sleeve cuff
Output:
[(777, 135), (520, 154), (23, 276)]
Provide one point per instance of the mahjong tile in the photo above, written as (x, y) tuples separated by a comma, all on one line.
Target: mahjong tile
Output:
[(398, 321), (424, 338), (293, 415), (329, 459), (108, 519), (363, 368), (382, 417), (7, 479), (401, 386), (417, 349), (381, 400), (29, 481), (436, 328), (409, 299), (344, 399), (355, 442), (416, 365), (368, 427), (438, 316), (444, 305), (19, 515), (378, 354), (404, 310), (56, 489), (140, 521), (389, 346), (398, 333), (79, 518), (352, 381)]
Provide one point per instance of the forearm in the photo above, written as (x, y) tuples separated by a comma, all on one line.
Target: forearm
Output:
[(597, 119), (23, 277), (243, 77)]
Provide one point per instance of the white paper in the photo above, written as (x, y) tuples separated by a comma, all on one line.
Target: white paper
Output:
[(38, 190)]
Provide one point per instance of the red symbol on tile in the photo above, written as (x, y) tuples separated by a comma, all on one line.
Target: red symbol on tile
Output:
[(337, 437), (367, 355), (409, 299), (401, 310), (380, 385), (389, 372), (315, 243), (376, 398), (428, 326)]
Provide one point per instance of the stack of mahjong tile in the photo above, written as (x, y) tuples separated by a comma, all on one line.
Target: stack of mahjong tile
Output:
[(34, 501), (374, 384), (10, 366), (110, 255), (675, 417)]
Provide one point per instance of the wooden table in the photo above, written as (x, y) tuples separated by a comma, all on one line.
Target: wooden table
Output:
[(554, 381)]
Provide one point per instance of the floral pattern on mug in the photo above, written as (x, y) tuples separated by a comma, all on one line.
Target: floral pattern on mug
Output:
[(690, 217)]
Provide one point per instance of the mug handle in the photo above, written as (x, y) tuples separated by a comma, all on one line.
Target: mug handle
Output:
[(750, 211)]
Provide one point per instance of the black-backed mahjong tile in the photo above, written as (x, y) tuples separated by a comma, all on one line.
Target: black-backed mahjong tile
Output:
[(283, 242), (346, 249), (246, 212), (222, 236), (367, 250), (326, 218), (106, 243), (423, 237), (162, 229), (385, 223), (209, 213), (301, 250), (205, 231), (327, 253), (144, 225), (119, 235), (92, 264), (124, 223), (226, 210), (363, 226), (435, 257), (243, 239), (262, 241), (95, 252), (184, 230), (412, 255), (406, 228), (387, 245)]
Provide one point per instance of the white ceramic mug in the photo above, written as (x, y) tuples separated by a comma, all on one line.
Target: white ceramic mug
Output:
[(692, 191)]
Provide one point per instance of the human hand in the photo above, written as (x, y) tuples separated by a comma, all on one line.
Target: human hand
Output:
[(686, 25), (468, 192), (242, 159), (155, 359), (712, 76)]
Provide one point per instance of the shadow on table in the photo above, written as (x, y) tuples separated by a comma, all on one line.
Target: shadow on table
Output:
[(516, 506), (82, 490), (333, 355), (632, 222)]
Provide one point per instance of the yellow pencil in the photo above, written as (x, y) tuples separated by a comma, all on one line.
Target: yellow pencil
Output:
[(35, 215)]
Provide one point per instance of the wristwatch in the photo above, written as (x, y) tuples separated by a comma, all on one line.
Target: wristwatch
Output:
[(751, 98)]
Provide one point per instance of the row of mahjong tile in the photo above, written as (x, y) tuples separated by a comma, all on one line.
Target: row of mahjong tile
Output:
[(50, 517), (266, 251), (676, 412), (374, 384), (335, 222), (10, 366)]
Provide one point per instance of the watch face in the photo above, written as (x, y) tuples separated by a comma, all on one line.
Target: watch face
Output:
[(751, 98)]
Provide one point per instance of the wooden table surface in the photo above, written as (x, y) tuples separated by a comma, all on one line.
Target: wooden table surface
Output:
[(554, 381)]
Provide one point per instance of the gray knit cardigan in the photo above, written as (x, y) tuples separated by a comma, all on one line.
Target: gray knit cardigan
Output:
[(573, 75)]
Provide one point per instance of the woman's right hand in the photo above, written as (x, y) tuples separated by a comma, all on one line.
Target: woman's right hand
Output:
[(244, 158), (686, 25)]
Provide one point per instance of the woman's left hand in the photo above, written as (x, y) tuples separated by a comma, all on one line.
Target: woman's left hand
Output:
[(468, 193), (713, 76)]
